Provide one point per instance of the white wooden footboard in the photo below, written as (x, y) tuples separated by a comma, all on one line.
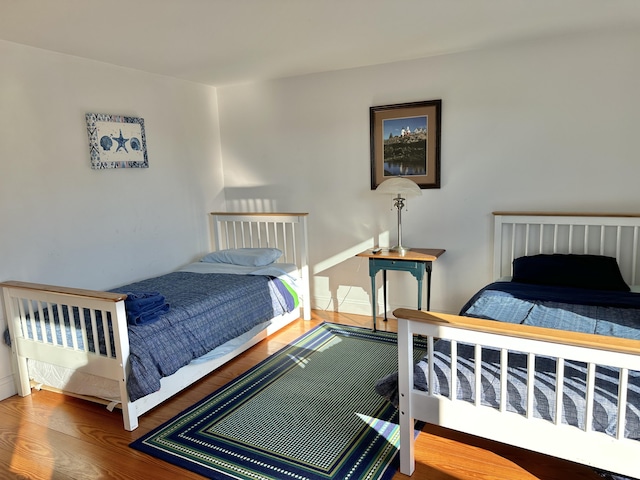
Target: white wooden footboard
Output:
[(87, 317), (600, 450)]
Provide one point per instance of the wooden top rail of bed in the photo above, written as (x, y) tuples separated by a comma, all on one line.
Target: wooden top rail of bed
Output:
[(568, 214), (565, 337), (79, 292), (259, 214)]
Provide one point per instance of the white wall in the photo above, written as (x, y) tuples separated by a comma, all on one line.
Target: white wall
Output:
[(66, 224), (547, 125)]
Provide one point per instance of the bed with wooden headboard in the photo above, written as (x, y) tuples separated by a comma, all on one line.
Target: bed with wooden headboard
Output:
[(547, 357), (89, 343)]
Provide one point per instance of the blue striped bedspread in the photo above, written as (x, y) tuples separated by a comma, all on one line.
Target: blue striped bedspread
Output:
[(601, 312), (206, 311), (607, 313)]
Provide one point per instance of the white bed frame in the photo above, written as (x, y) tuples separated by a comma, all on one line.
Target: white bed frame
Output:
[(518, 234), (286, 231)]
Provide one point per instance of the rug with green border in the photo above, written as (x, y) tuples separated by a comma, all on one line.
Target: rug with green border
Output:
[(308, 411)]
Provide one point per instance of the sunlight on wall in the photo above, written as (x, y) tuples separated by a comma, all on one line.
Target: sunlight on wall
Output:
[(241, 174), (349, 253), (260, 205), (329, 294)]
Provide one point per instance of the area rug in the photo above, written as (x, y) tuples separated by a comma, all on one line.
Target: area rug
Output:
[(307, 412)]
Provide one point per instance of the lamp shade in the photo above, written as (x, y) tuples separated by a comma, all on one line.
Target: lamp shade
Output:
[(399, 186)]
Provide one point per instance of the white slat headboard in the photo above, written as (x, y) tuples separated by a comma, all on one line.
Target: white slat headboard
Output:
[(518, 234), (285, 231)]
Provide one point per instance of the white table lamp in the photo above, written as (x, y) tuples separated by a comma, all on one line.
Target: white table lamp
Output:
[(402, 188)]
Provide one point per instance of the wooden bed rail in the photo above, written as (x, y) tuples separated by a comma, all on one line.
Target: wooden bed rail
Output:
[(80, 292), (568, 214), (564, 337)]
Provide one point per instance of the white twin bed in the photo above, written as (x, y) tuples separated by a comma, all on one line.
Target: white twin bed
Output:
[(59, 339), (506, 385)]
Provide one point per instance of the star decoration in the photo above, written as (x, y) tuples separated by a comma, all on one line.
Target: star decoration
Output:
[(122, 142)]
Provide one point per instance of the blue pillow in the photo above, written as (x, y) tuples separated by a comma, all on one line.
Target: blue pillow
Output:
[(595, 272), (248, 257)]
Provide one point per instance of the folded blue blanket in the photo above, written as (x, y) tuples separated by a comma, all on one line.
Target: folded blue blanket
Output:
[(144, 307)]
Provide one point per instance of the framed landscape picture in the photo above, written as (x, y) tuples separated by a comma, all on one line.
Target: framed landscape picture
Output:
[(116, 141), (405, 141)]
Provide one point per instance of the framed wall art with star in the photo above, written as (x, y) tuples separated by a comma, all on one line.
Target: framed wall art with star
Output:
[(116, 141)]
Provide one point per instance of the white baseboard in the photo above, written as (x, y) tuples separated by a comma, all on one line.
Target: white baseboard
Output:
[(330, 304), (7, 387), (357, 307)]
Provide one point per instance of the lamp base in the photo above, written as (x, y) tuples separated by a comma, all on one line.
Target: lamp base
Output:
[(399, 249)]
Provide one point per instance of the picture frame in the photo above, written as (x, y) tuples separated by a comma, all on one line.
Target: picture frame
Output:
[(405, 141), (116, 141)]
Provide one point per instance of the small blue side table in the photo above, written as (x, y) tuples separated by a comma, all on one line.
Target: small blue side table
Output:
[(416, 261)]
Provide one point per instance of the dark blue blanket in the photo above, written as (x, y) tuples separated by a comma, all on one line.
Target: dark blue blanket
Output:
[(145, 307)]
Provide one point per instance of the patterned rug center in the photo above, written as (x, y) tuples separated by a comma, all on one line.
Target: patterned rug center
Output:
[(289, 418), (309, 411)]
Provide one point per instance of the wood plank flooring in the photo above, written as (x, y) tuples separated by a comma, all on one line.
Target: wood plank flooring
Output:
[(48, 436)]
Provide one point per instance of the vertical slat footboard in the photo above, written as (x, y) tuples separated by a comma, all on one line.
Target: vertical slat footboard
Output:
[(82, 330), (501, 418)]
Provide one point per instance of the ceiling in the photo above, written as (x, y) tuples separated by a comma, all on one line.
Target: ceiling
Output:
[(221, 42)]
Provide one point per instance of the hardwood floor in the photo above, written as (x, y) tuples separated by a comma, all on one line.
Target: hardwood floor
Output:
[(53, 436)]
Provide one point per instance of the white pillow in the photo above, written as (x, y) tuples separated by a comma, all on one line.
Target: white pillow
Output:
[(248, 257)]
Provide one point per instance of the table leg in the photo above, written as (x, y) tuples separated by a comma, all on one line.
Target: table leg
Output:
[(384, 292), (373, 299), (419, 274), (428, 267)]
